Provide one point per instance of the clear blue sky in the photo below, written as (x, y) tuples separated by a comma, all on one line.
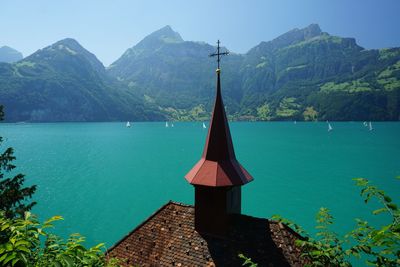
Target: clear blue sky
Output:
[(108, 28)]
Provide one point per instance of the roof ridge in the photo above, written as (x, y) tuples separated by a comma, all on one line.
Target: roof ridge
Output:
[(140, 225), (179, 204)]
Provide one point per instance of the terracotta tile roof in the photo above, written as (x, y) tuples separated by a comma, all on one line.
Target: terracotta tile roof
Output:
[(168, 238)]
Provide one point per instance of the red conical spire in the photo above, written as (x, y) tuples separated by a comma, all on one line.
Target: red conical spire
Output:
[(218, 165)]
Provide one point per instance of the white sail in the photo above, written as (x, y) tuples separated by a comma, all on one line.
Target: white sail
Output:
[(166, 124), (204, 126), (370, 126), (128, 124), (172, 124), (365, 124), (329, 127)]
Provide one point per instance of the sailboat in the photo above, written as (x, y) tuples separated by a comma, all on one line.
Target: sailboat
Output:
[(365, 124), (204, 126), (370, 126), (166, 124), (295, 122), (128, 124), (329, 127), (172, 124)]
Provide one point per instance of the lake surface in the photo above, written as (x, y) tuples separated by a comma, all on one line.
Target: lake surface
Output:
[(105, 179)]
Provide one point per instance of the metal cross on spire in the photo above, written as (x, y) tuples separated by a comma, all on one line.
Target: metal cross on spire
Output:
[(218, 54)]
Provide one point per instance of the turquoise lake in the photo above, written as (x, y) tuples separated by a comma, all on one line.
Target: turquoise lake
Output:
[(105, 179)]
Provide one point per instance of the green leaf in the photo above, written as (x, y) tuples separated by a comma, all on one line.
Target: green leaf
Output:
[(14, 261), (9, 258), (3, 257), (27, 215), (99, 246), (22, 242), (68, 260), (361, 181), (387, 198), (47, 223), (9, 247), (378, 211), (24, 259), (57, 264), (25, 249)]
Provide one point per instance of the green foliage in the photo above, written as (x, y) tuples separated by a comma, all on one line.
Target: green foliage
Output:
[(326, 249), (197, 113), (65, 82), (310, 114), (389, 78), (379, 245), (264, 112), (387, 53), (287, 107), (13, 195), (247, 261), (28, 243), (351, 87)]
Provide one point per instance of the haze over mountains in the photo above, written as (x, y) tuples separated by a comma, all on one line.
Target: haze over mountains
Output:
[(304, 74), (9, 55)]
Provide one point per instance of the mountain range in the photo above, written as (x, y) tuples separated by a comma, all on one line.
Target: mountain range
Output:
[(304, 74), (65, 82), (9, 55)]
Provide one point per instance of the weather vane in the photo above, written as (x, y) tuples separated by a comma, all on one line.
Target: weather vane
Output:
[(218, 54)]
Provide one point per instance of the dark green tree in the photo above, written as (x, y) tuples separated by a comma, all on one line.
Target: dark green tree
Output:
[(13, 195)]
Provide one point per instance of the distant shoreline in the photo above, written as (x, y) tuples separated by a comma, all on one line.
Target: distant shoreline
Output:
[(185, 121)]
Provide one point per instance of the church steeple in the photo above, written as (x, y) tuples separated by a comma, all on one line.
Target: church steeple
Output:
[(217, 176), (218, 165)]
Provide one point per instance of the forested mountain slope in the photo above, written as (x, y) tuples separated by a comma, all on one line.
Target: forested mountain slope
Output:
[(302, 74), (65, 82)]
